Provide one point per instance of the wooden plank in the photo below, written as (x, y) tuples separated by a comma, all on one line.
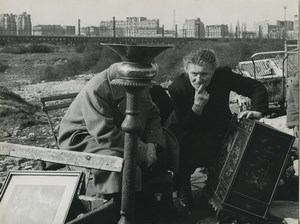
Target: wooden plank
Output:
[(58, 97), (56, 106), (80, 159)]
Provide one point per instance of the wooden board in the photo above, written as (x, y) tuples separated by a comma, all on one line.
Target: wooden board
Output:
[(80, 159)]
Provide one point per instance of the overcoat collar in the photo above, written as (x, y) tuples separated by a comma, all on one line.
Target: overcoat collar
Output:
[(117, 91)]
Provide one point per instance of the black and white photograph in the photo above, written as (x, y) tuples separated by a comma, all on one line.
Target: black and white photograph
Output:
[(149, 112)]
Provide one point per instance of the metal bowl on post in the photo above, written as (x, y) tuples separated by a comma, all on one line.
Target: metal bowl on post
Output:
[(136, 72)]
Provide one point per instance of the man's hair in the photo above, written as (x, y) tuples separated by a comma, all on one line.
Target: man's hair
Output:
[(200, 57)]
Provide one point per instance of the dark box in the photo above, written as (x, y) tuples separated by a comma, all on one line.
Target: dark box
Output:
[(245, 175)]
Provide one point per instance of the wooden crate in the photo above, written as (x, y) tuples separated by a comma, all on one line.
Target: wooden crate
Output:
[(247, 170)]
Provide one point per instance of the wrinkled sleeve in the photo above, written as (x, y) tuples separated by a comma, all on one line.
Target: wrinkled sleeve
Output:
[(153, 131), (99, 120), (184, 114), (248, 87)]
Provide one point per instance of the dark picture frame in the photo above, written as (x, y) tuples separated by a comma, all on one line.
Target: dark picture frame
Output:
[(37, 197)]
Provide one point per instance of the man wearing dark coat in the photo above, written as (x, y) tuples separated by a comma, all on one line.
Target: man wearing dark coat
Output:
[(200, 98)]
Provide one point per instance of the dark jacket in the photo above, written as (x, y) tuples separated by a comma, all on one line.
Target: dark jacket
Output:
[(216, 114)]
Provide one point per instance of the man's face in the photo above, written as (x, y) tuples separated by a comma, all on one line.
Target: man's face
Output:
[(200, 74)]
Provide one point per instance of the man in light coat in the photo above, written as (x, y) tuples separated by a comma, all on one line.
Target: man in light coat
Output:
[(93, 124)]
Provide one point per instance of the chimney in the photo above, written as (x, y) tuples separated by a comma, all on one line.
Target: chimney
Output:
[(114, 27), (79, 27)]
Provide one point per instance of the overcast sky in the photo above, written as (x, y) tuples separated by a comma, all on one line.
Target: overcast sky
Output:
[(91, 12)]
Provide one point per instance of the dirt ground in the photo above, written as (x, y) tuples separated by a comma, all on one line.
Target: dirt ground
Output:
[(18, 79)]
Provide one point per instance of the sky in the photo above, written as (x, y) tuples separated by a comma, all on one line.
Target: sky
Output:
[(91, 12)]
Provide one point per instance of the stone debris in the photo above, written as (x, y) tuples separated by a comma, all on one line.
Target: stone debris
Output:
[(57, 127), (33, 92), (10, 164), (6, 134), (9, 167), (290, 221), (16, 132), (27, 167), (16, 168), (31, 136), (2, 168), (20, 161)]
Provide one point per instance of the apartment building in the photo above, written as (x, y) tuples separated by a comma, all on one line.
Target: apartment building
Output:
[(193, 28), (293, 34), (261, 28), (281, 30), (141, 27), (53, 30), (24, 27), (48, 30), (92, 31), (216, 31), (248, 35), (69, 30), (106, 28), (8, 25), (12, 24), (132, 27)]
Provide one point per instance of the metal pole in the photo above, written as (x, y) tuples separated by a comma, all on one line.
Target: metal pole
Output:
[(79, 27), (136, 72), (131, 126), (114, 27)]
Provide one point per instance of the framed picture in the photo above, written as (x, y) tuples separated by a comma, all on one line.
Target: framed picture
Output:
[(32, 197)]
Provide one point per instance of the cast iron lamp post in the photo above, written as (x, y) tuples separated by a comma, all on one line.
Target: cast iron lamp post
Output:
[(136, 72)]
